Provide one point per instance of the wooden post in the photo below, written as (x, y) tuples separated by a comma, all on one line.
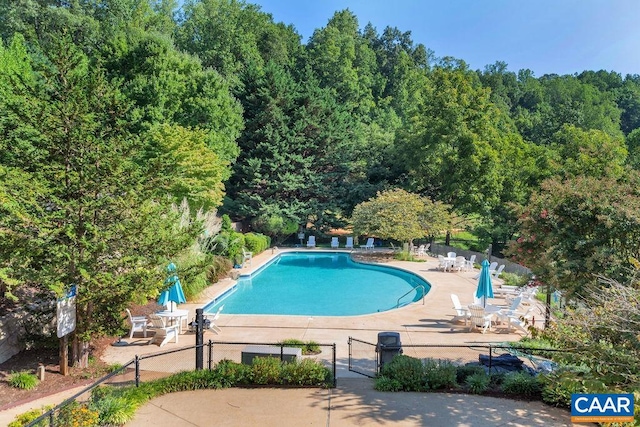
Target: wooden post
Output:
[(64, 355)]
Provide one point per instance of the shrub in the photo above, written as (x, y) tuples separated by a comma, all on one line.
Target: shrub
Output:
[(256, 243), (513, 279), (114, 410), (77, 415), (29, 416), (23, 380), (439, 374), (464, 371), (521, 383), (217, 269), (408, 371), (310, 347), (266, 370), (383, 383), (558, 386), (306, 372), (231, 373), (478, 382)]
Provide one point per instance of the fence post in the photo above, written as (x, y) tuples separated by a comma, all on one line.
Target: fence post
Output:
[(281, 352), (210, 362), (137, 362), (335, 380), (199, 339), (490, 358)]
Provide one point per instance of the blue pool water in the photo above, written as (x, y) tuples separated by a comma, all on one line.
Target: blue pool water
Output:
[(320, 284)]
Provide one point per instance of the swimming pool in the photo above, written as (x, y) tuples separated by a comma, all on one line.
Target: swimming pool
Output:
[(320, 284)]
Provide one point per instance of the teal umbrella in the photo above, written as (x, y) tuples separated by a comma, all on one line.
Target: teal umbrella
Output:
[(485, 288), (174, 290)]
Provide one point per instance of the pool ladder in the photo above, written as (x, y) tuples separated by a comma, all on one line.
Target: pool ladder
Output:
[(424, 292)]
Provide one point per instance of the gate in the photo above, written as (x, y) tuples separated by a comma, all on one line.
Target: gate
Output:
[(363, 358)]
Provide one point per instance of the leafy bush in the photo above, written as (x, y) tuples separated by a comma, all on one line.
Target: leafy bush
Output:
[(408, 371), (77, 415), (217, 269), (406, 256), (513, 279), (478, 382), (306, 372), (23, 380), (274, 225), (231, 373), (310, 347), (521, 383), (464, 371), (114, 410), (383, 383), (266, 370), (256, 243), (558, 386), (439, 374), (29, 416)]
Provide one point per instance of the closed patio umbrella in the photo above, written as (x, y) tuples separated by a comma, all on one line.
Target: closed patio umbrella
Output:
[(174, 292), (485, 288)]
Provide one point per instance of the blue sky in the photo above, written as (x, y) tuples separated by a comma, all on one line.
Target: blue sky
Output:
[(545, 36)]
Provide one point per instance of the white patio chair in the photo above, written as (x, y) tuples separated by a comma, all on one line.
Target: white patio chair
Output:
[(451, 254), (215, 328), (311, 243), (369, 244), (460, 263), (461, 312), (246, 256), (138, 323), (349, 244), (163, 333), (479, 318), (334, 243), (470, 263)]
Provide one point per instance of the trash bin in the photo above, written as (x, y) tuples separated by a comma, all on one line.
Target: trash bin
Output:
[(388, 346)]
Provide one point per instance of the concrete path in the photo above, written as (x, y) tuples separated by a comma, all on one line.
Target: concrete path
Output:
[(352, 403)]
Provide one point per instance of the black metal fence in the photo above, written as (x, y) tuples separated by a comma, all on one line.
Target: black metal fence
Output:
[(365, 357), (166, 363)]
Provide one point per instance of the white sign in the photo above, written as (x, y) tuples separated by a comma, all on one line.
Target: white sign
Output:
[(66, 313)]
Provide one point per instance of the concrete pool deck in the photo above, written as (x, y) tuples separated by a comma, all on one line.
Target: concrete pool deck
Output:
[(353, 402)]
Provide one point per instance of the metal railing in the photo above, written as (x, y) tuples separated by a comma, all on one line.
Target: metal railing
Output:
[(424, 292)]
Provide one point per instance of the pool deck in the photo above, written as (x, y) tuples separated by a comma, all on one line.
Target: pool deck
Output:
[(417, 323), (354, 402)]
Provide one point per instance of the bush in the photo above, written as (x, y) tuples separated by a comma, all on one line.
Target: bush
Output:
[(387, 384), (478, 382), (307, 372), (77, 415), (521, 383), (266, 370), (408, 371), (307, 348), (114, 410), (217, 269), (439, 374), (29, 416), (558, 386), (23, 380), (464, 371), (256, 243), (512, 279)]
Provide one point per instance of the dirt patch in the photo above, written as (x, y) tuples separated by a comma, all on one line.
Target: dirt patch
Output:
[(54, 382)]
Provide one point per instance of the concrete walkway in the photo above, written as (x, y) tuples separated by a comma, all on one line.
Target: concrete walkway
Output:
[(354, 402)]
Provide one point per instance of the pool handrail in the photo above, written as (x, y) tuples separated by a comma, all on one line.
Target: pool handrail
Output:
[(424, 292)]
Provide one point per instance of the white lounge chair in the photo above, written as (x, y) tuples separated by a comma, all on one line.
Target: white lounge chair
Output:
[(349, 244), (163, 333), (461, 312), (369, 244), (504, 314), (334, 243), (496, 273), (521, 321), (311, 243), (443, 264), (215, 328), (246, 256), (492, 269), (421, 250), (479, 318), (138, 323)]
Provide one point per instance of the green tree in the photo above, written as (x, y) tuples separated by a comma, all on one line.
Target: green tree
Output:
[(84, 214), (575, 229), (399, 215)]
